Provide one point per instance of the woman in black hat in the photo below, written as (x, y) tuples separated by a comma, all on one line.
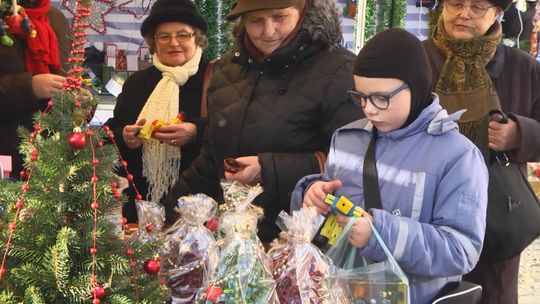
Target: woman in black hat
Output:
[(175, 34), (274, 101), (473, 71)]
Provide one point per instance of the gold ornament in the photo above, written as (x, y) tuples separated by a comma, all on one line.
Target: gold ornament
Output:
[(26, 214)]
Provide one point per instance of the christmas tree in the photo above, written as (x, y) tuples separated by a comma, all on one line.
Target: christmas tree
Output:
[(58, 241)]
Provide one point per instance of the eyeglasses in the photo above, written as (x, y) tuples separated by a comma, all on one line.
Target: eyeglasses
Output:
[(179, 37), (380, 102), (476, 10)]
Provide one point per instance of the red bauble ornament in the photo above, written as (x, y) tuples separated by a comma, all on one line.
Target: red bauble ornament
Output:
[(76, 140), (213, 293), (149, 228), (151, 266), (212, 224), (99, 292)]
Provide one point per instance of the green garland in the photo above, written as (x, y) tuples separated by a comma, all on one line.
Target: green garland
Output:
[(226, 39), (390, 13), (219, 40)]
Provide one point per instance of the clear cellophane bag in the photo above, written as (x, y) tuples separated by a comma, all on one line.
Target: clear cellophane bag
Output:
[(300, 268), (189, 255), (244, 273)]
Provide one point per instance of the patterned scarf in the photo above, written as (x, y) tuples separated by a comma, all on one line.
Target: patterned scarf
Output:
[(42, 51), (161, 162), (464, 82)]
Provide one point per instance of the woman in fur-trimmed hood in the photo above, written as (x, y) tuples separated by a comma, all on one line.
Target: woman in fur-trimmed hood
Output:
[(274, 101)]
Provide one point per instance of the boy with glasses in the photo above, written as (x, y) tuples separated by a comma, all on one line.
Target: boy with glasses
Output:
[(432, 213)]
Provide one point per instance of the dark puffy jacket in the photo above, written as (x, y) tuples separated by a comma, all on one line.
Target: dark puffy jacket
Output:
[(284, 110)]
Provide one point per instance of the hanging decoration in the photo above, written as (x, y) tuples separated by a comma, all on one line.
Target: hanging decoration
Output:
[(137, 8), (76, 140), (98, 11), (350, 9)]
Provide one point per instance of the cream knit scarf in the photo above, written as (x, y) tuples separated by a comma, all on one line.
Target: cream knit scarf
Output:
[(161, 162)]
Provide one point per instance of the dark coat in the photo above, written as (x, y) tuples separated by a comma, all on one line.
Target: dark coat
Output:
[(516, 77), (283, 110), (17, 100), (135, 93)]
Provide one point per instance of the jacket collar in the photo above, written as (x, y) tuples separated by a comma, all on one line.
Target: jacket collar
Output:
[(433, 120), (283, 58)]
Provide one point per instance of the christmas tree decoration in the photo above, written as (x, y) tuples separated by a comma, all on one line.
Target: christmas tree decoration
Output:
[(98, 11), (151, 266), (99, 292), (137, 8), (189, 255), (300, 268), (76, 140), (244, 273), (18, 22), (57, 245)]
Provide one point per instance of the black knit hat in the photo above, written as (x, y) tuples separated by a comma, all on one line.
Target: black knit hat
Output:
[(504, 4), (173, 10), (396, 53)]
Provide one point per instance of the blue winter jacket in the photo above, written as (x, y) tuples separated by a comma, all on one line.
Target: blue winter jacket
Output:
[(433, 184)]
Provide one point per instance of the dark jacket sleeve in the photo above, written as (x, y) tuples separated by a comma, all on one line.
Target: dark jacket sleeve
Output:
[(519, 84), (200, 177), (200, 123), (281, 171), (128, 106), (529, 126), (17, 95)]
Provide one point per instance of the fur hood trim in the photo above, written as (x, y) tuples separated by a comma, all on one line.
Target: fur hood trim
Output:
[(322, 22)]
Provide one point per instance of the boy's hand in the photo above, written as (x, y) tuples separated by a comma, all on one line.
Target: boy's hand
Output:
[(360, 231), (316, 194)]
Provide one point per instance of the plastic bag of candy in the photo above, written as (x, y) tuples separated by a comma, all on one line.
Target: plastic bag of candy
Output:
[(300, 268), (244, 273), (189, 255)]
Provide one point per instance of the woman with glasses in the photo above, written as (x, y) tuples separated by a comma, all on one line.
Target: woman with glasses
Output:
[(175, 34), (273, 102), (474, 71), (432, 210)]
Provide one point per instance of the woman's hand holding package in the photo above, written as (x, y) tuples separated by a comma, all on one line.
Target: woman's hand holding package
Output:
[(176, 134), (504, 136), (360, 231), (316, 194), (251, 172), (130, 134)]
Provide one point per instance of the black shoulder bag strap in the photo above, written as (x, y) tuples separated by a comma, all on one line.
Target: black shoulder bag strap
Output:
[(372, 193)]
